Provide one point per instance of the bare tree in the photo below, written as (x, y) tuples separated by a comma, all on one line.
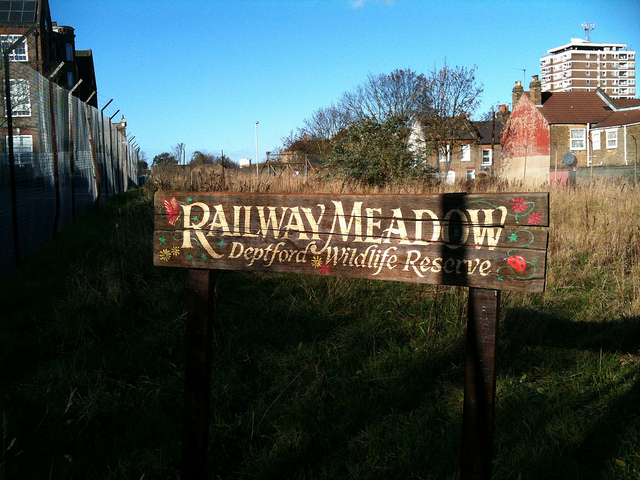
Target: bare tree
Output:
[(325, 123), (179, 152), (453, 96), (382, 97)]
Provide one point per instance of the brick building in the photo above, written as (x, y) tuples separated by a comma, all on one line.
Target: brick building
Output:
[(551, 135), (38, 45), (584, 66), (47, 47), (474, 154)]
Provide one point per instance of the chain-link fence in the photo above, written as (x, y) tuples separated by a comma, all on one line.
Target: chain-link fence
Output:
[(59, 156)]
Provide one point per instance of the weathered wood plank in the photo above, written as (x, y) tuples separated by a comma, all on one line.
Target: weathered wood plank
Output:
[(480, 384), (444, 239), (201, 308), (519, 208)]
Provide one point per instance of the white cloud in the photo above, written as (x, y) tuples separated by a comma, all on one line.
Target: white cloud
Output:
[(362, 3)]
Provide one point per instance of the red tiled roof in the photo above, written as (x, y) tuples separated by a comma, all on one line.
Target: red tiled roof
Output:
[(624, 117), (573, 107), (626, 102)]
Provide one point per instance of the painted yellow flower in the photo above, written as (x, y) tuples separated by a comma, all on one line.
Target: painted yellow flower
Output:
[(165, 254), (175, 251), (316, 261)]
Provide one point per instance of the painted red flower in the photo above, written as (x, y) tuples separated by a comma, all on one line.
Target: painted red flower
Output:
[(535, 218), (518, 205), (324, 269), (517, 262), (172, 208)]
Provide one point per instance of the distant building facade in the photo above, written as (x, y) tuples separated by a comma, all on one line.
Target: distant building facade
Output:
[(47, 47), (474, 154), (40, 45), (552, 136), (584, 66)]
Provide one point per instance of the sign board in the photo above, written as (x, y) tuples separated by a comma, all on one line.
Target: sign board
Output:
[(495, 241)]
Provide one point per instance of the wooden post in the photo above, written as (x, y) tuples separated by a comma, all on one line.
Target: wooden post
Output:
[(197, 387), (480, 384)]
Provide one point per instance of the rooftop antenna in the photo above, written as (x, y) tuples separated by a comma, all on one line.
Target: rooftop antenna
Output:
[(587, 28)]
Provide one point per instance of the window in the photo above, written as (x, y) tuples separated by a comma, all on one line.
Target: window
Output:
[(451, 176), (471, 173), (22, 149), (444, 154), (577, 138), (612, 138), (465, 153), (595, 140), (19, 53), (20, 98), (69, 51), (487, 157)]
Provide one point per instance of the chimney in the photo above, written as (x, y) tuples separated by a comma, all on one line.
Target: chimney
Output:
[(535, 91), (517, 93), (503, 113)]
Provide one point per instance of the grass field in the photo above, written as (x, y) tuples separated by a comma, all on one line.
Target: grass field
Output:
[(318, 377)]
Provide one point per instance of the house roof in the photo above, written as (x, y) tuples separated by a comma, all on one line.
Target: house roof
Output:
[(573, 107), (624, 117), (484, 129)]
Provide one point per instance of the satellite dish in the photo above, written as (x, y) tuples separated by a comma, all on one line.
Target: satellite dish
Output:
[(569, 159)]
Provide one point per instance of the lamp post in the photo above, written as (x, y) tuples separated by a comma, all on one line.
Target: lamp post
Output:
[(257, 170)]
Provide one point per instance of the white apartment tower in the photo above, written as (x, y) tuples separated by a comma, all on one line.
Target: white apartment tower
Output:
[(583, 66)]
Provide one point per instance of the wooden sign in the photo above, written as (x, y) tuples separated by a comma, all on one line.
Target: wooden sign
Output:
[(494, 241)]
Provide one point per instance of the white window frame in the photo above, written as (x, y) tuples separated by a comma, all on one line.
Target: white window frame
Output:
[(20, 98), (444, 153), (20, 53), (471, 173), (612, 138), (22, 149), (577, 138), (596, 141), (451, 176), (486, 161), (465, 152)]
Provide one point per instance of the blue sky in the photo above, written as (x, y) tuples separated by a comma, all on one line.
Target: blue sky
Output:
[(202, 72)]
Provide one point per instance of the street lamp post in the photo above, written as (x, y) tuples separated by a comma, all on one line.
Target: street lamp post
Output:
[(257, 170)]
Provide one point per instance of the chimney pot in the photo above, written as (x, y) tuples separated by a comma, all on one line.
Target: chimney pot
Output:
[(535, 90), (516, 93)]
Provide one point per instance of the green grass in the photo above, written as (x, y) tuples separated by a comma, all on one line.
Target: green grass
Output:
[(313, 377)]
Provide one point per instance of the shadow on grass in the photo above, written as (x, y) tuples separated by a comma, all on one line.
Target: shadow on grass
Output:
[(569, 406), (321, 389)]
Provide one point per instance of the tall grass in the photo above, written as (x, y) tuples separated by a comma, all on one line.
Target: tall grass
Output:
[(316, 377)]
